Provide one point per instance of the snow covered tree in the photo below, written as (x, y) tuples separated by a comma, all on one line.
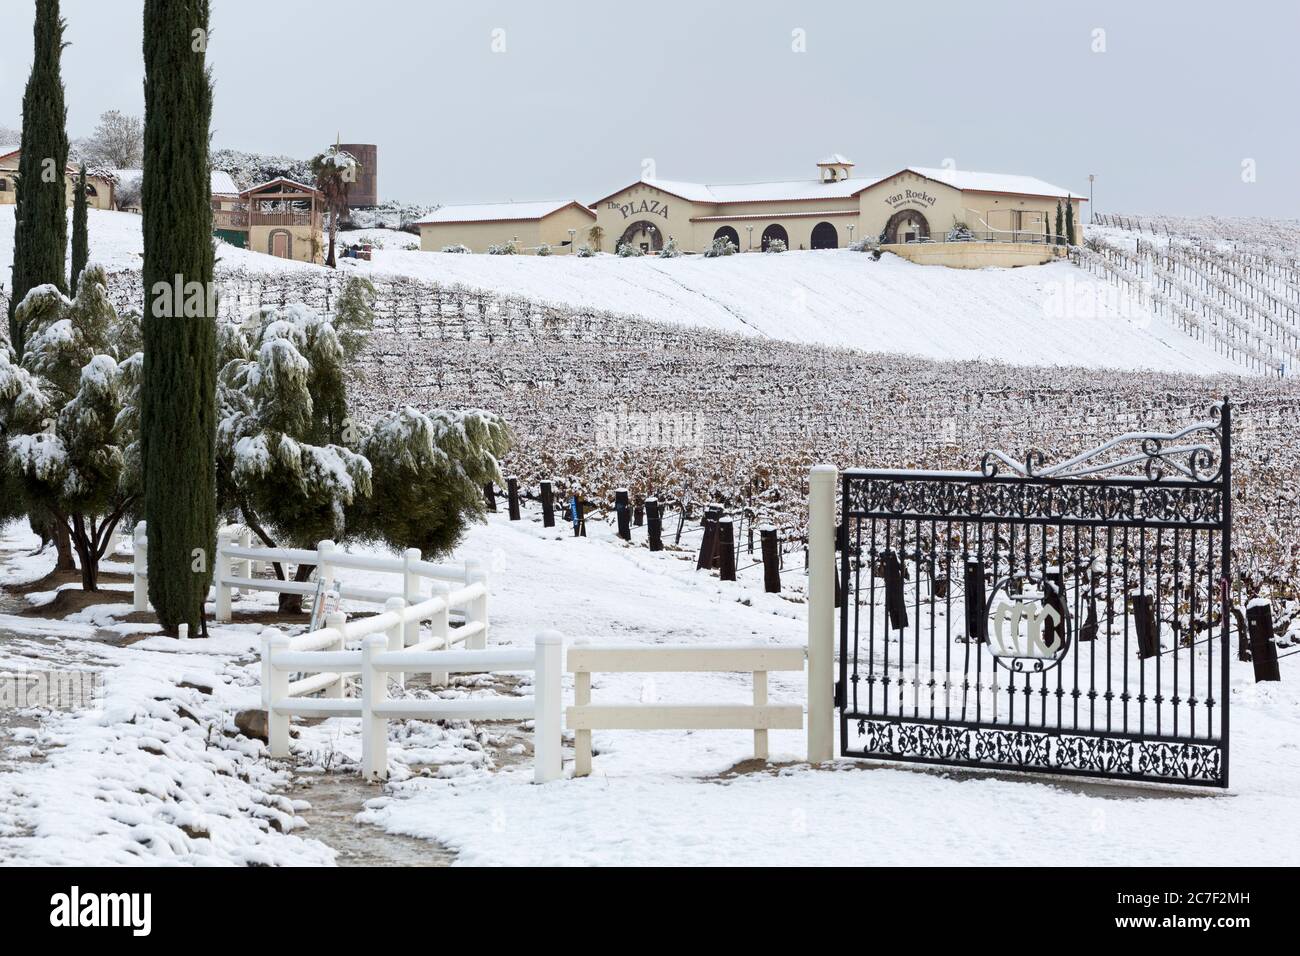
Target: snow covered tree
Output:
[(335, 171), (295, 468), (40, 216), (1069, 223), (178, 402), (1060, 222), (69, 413), (670, 249), (80, 237), (117, 142)]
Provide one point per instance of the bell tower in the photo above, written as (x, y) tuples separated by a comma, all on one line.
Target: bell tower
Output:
[(834, 168)]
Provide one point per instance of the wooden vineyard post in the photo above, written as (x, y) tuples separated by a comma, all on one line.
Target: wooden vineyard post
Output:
[(548, 505), (654, 524), (726, 550), (489, 497), (771, 559), (623, 513), (512, 492)]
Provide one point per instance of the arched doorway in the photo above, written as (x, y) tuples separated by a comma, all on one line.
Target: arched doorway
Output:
[(907, 225), (775, 231), (824, 236), (726, 232), (645, 235), (280, 243)]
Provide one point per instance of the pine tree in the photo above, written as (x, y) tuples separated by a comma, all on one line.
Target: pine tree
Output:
[(69, 411), (41, 213), (80, 238), (178, 392), (1069, 222), (1060, 228)]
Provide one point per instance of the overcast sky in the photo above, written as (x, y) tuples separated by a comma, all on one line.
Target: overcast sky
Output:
[(584, 93)]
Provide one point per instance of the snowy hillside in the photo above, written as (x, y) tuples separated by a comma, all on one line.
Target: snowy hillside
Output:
[(1049, 315), (1044, 315)]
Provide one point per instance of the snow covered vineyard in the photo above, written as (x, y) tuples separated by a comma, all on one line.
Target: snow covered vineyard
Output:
[(703, 417)]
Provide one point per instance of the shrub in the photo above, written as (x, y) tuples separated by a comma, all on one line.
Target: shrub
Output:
[(722, 246), (670, 249), (504, 249), (960, 232), (544, 249), (457, 249), (629, 251), (585, 252), (775, 245)]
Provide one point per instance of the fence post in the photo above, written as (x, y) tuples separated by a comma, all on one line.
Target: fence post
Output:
[(726, 550), (324, 560), (224, 569), (1263, 652), (139, 568), (512, 492), (638, 514), (489, 496), (337, 620), (548, 505), (440, 626), (478, 608), (581, 738), (396, 635), (708, 543), (411, 594), (771, 559), (276, 682), (654, 524), (246, 542), (621, 511), (374, 730), (821, 613), (548, 763)]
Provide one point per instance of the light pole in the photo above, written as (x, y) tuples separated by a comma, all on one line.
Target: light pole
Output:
[(750, 230), (572, 238), (850, 233), (1091, 177)]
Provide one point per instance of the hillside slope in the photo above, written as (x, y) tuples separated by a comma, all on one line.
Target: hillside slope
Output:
[(1047, 315)]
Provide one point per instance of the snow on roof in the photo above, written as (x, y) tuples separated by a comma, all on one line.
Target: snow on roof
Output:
[(221, 182), (993, 182), (285, 180), (758, 192), (498, 211), (846, 188), (835, 159)]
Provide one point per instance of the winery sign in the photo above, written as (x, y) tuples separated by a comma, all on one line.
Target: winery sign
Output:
[(651, 206), (920, 196)]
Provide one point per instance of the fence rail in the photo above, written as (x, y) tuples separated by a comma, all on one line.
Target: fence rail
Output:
[(759, 659)]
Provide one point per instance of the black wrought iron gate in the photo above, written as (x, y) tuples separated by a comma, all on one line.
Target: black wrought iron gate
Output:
[(1068, 619)]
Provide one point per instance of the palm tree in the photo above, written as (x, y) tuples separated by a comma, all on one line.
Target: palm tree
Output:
[(596, 235), (335, 171)]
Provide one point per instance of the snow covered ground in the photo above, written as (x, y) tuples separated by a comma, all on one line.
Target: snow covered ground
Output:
[(122, 784), (1045, 315)]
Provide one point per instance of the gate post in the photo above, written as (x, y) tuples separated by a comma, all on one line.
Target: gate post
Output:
[(821, 613)]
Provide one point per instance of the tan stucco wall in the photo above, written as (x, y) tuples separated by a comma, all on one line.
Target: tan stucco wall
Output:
[(529, 233), (302, 248), (975, 255), (103, 188)]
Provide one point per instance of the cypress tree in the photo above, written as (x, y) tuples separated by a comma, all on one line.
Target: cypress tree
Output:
[(178, 391), (41, 212), (1069, 222), (80, 238), (1060, 228)]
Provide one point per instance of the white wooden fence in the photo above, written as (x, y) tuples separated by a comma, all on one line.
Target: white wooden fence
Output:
[(758, 659), (324, 660), (237, 563)]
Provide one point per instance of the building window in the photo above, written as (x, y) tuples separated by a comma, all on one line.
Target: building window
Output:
[(775, 231), (726, 232), (4, 185), (824, 236)]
